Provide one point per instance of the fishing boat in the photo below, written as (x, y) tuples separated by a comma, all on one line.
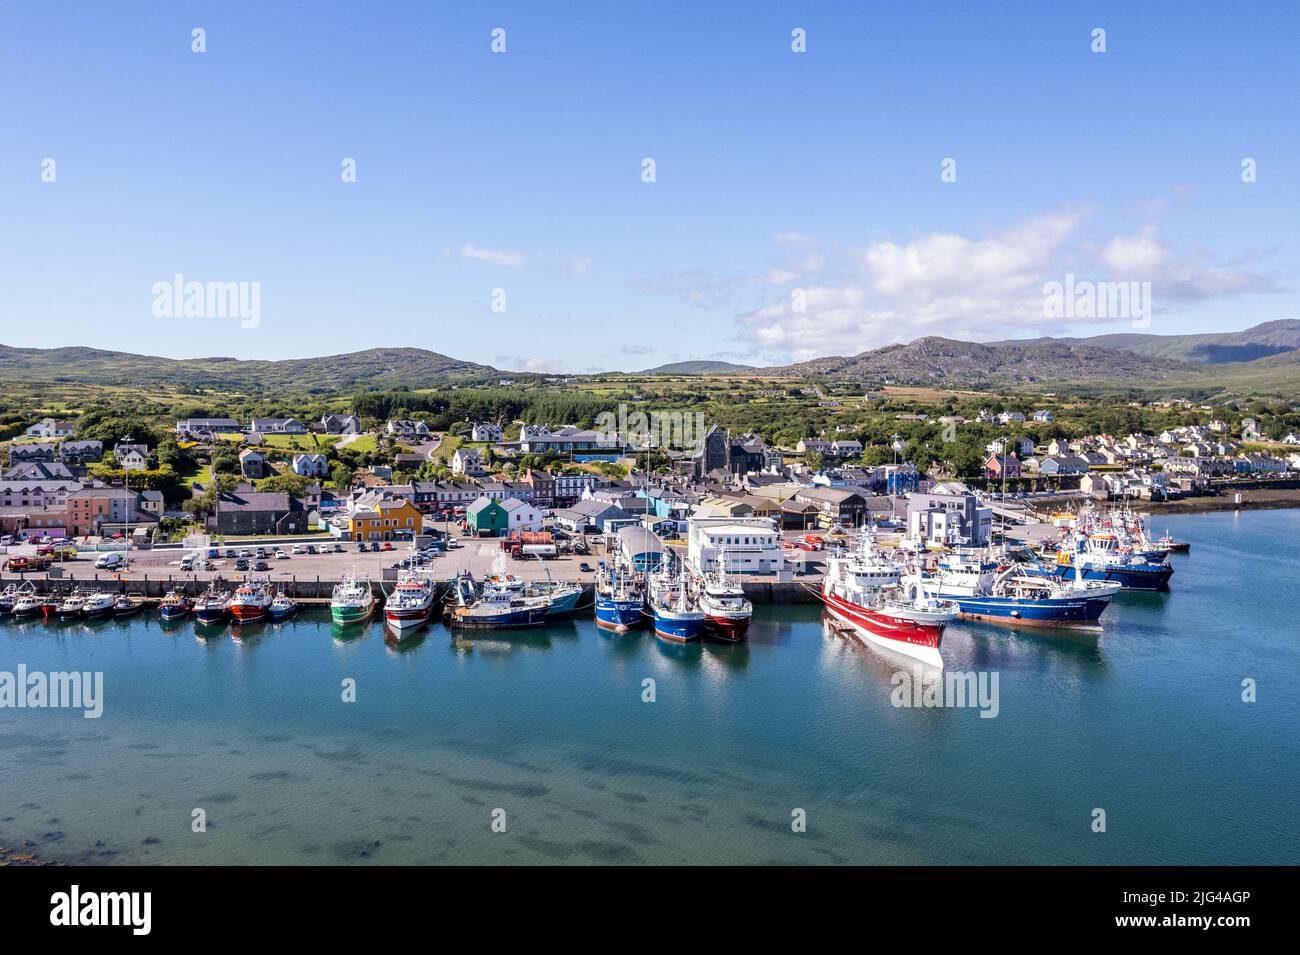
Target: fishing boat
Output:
[(71, 605), (495, 608), (727, 612), (281, 607), (210, 607), (29, 605), (990, 593), (12, 594), (174, 605), (677, 616), (1174, 546), (411, 602), (561, 596), (127, 605), (353, 601), (620, 600), (98, 605), (1100, 557), (251, 601), (857, 590)]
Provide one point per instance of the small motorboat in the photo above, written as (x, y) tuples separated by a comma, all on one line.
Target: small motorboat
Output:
[(281, 607), (98, 605), (127, 605), (174, 605), (71, 605)]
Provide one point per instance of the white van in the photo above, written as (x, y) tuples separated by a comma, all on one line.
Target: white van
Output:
[(187, 562), (108, 561)]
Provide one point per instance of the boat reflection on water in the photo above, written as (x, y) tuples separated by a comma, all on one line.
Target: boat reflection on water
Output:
[(210, 631), (885, 660), (726, 654), (405, 641)]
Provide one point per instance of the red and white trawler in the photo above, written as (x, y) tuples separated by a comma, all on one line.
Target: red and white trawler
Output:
[(893, 613), (411, 603), (251, 601), (727, 612)]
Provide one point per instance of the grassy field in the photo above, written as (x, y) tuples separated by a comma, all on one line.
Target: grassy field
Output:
[(362, 443), (300, 442)]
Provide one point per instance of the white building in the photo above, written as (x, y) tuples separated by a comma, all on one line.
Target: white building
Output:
[(521, 515), (311, 465), (467, 461), (751, 545), (486, 432), (50, 428)]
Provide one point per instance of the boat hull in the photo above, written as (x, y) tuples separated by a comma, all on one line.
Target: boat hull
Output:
[(727, 627), (678, 627), (347, 615), (247, 613), (919, 640), (619, 615), (210, 615), (512, 620), (1048, 612), (173, 612), (564, 603), (407, 619), (1130, 577)]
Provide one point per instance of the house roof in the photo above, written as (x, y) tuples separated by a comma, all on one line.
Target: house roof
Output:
[(255, 501)]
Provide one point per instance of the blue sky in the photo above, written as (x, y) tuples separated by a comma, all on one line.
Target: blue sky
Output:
[(521, 171)]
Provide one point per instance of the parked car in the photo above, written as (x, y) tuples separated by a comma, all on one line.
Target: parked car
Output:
[(230, 552), (388, 545), (245, 552), (338, 548), (280, 555), (585, 567), (310, 548), (261, 565), (241, 564), (297, 549), (261, 553)]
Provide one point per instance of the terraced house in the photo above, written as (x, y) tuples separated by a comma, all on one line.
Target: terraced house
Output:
[(383, 519)]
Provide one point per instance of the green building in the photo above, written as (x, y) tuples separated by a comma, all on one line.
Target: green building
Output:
[(486, 518)]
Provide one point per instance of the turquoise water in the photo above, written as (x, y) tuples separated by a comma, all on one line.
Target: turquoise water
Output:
[(1144, 721)]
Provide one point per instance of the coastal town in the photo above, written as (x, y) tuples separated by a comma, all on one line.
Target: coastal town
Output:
[(56, 485), (488, 517)]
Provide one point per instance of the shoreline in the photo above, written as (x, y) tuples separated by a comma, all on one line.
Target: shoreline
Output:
[(1251, 500)]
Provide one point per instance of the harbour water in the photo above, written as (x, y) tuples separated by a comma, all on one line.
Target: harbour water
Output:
[(1145, 721)]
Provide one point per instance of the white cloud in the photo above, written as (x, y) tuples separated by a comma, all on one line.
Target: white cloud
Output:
[(508, 257), (958, 286), (1134, 256)]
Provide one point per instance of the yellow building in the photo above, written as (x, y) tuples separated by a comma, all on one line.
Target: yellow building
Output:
[(385, 520)]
